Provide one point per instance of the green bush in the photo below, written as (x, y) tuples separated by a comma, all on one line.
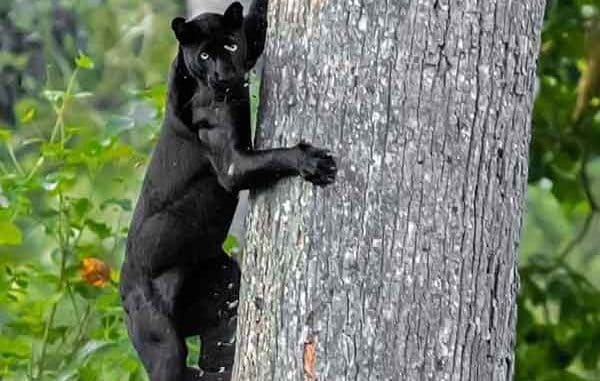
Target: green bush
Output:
[(559, 304), (71, 168)]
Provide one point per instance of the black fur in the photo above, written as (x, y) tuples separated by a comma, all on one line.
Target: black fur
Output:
[(176, 281)]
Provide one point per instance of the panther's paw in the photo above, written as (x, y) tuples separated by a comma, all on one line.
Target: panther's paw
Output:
[(220, 375), (193, 374), (317, 165)]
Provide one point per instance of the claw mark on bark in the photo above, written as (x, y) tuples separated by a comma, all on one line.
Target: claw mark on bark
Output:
[(310, 359)]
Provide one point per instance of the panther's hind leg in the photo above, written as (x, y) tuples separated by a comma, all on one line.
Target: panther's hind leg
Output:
[(218, 340), (158, 344), (218, 347)]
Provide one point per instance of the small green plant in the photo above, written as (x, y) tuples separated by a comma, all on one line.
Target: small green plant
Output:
[(70, 169), (61, 310)]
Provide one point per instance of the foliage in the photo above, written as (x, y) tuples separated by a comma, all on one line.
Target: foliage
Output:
[(66, 298), (559, 308), (559, 323), (70, 170)]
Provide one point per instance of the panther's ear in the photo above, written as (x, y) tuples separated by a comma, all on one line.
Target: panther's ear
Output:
[(182, 30), (255, 28), (234, 15)]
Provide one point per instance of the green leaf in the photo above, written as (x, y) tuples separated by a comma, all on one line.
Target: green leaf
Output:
[(108, 302), (53, 96), (10, 234), (87, 291), (79, 359), (19, 346), (28, 115), (5, 135), (193, 345), (563, 375), (12, 60), (83, 94), (591, 357), (84, 62), (82, 207), (532, 291), (156, 95), (231, 245), (100, 229)]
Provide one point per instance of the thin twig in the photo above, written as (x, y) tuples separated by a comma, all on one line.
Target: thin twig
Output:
[(587, 224), (11, 153), (62, 230)]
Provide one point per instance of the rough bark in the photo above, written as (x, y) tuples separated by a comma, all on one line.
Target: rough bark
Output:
[(406, 268)]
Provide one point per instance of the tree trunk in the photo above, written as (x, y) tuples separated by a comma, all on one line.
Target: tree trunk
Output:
[(406, 268)]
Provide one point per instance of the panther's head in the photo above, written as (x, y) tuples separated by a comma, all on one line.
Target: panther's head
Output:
[(215, 48)]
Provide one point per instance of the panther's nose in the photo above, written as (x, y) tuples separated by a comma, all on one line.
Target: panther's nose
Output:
[(225, 78), (222, 85)]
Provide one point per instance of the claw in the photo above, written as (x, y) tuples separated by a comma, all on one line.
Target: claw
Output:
[(319, 165)]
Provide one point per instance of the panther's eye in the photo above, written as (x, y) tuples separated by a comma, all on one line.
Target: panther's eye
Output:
[(231, 47), (204, 56)]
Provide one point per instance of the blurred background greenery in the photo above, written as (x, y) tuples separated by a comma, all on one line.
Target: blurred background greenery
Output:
[(75, 133)]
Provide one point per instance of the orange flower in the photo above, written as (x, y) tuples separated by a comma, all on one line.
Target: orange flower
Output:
[(95, 272)]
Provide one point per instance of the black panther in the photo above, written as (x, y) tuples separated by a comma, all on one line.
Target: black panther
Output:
[(176, 281)]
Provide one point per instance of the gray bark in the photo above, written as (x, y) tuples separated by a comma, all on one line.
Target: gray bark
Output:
[(406, 268)]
